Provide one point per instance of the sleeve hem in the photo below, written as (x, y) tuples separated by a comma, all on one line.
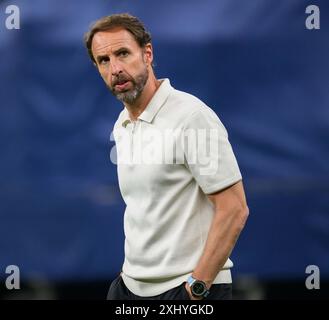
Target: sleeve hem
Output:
[(222, 185)]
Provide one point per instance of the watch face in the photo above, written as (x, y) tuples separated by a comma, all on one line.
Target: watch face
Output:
[(198, 288)]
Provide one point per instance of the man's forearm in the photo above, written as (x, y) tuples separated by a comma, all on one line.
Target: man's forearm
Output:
[(223, 234)]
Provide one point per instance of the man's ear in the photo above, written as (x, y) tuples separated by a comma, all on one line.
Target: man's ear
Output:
[(148, 53)]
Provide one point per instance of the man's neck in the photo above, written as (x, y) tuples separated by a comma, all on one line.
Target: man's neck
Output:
[(136, 109)]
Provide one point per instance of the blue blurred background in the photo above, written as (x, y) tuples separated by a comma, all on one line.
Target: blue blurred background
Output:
[(254, 62)]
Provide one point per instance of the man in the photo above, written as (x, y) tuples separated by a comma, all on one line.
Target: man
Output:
[(185, 203)]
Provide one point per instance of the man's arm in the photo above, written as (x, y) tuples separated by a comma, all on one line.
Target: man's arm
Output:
[(231, 213)]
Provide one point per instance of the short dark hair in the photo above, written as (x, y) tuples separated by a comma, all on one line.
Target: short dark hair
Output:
[(123, 20)]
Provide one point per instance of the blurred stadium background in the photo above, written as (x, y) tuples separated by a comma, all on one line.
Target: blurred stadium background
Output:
[(254, 62)]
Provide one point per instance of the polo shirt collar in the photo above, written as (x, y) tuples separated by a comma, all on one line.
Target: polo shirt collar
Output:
[(155, 104)]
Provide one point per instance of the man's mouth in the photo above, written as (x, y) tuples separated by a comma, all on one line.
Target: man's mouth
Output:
[(121, 85)]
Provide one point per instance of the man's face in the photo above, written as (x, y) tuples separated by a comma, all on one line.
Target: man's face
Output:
[(122, 63)]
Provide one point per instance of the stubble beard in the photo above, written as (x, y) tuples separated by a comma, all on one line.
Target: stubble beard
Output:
[(138, 83)]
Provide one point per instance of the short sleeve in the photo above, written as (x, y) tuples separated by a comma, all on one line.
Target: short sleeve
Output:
[(208, 152)]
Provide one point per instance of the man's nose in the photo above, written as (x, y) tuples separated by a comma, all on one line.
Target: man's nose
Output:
[(115, 67)]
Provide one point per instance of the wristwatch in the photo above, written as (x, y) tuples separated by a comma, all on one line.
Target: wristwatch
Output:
[(198, 287)]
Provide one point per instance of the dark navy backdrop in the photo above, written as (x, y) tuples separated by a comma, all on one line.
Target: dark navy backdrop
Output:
[(253, 62)]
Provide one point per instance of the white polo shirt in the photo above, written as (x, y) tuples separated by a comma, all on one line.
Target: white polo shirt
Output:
[(168, 160)]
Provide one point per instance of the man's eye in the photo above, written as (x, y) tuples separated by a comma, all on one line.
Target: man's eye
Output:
[(123, 53), (103, 60)]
